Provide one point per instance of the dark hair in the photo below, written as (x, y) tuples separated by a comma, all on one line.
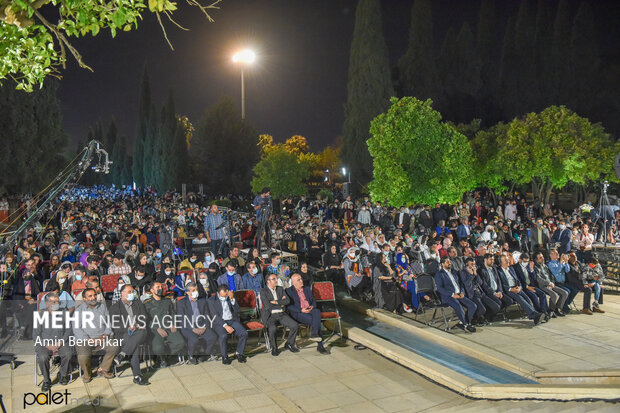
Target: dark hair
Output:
[(88, 289), (265, 190), (80, 268), (124, 287), (222, 287), (444, 259), (468, 260), (487, 256), (141, 268), (52, 285), (525, 256)]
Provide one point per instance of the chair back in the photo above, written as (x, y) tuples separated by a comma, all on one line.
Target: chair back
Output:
[(39, 298), (246, 298), (431, 266), (425, 283), (323, 291), (417, 268), (188, 273), (109, 282)]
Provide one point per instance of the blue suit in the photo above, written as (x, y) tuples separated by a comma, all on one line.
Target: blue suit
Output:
[(223, 279), (446, 289), (461, 231), (562, 236), (313, 318), (184, 310)]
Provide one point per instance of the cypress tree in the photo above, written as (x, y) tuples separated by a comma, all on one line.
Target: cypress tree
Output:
[(180, 156), (560, 54), (417, 66), (144, 113), (369, 88), (508, 72), (110, 145)]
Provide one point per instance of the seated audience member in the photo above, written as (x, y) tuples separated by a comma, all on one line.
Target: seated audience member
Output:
[(273, 302), (332, 264), (303, 309), (94, 337), (489, 276), (65, 299), (139, 279), (224, 311), (358, 282), (559, 267), (593, 275), (231, 278), (56, 335), (487, 304), (512, 288), (574, 277), (128, 317), (233, 256), (252, 279), (195, 319), (79, 280), (281, 271), (190, 263), (119, 266), (306, 274), (163, 330), (525, 272), (546, 282), (122, 281), (452, 293), (388, 294)]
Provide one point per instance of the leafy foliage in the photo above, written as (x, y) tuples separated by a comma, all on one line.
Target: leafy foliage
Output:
[(417, 158), (282, 171), (32, 48)]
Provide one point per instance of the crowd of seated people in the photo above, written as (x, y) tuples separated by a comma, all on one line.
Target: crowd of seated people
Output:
[(484, 257)]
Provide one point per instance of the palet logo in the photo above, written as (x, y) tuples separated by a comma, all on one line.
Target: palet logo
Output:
[(43, 399)]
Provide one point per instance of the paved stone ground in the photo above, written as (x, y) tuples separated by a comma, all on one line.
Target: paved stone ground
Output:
[(347, 380), (575, 342)]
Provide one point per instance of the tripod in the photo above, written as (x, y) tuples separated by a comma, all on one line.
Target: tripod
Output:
[(603, 207)]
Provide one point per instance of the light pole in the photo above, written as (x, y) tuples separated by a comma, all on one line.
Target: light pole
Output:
[(243, 57), (347, 173)]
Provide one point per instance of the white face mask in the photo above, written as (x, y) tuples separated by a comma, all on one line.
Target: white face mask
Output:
[(168, 272), (195, 294), (55, 306), (203, 281), (230, 272), (254, 270), (139, 277), (61, 280)]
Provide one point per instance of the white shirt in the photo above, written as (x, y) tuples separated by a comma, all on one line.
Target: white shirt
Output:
[(457, 289), (275, 297)]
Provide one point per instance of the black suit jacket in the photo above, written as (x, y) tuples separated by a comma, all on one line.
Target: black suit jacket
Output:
[(120, 317), (267, 307), (216, 311), (491, 272), (184, 309), (406, 221), (505, 284)]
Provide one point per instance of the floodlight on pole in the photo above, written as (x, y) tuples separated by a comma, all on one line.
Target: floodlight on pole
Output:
[(243, 57)]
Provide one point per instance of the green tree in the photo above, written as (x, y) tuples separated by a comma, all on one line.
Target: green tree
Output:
[(418, 74), (34, 48), (282, 171), (368, 89), (142, 130), (554, 147), (224, 149), (488, 168), (417, 158)]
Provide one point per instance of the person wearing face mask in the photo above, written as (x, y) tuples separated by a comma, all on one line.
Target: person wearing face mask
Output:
[(191, 263), (562, 238), (65, 299), (209, 258), (52, 339), (224, 311), (163, 332), (129, 322), (195, 321), (252, 280), (122, 281), (139, 278), (94, 336), (230, 278)]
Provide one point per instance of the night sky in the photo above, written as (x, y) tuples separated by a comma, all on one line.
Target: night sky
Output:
[(297, 85)]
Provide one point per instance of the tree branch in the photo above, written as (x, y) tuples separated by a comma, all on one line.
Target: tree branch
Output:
[(163, 29), (63, 40)]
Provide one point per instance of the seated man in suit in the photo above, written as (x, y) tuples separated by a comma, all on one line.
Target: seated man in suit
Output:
[(546, 282), (512, 288), (525, 272), (50, 341), (195, 322), (303, 309), (273, 301), (487, 304), (224, 312), (163, 333), (491, 278), (452, 293), (128, 317)]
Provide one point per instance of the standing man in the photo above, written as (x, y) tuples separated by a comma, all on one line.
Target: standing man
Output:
[(274, 300), (263, 206), (224, 311), (214, 230)]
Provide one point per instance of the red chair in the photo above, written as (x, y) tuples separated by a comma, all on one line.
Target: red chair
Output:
[(75, 265), (109, 282), (247, 302), (39, 298), (324, 293), (188, 273), (179, 298)]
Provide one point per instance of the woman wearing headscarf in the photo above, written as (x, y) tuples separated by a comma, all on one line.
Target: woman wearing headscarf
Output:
[(405, 276), (122, 280), (388, 295)]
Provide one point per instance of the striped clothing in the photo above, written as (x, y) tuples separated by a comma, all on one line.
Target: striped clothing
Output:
[(212, 223)]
